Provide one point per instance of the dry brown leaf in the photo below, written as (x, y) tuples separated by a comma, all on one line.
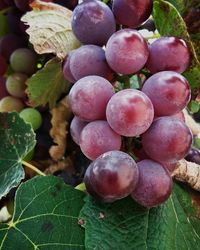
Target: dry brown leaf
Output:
[(64, 164), (50, 29), (60, 116), (190, 122), (189, 173)]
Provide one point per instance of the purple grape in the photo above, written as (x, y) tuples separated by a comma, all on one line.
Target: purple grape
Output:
[(168, 53), (167, 140), (89, 60), (169, 92), (89, 96), (154, 186), (97, 138), (111, 176), (76, 128), (3, 65), (129, 112), (9, 43), (66, 68), (93, 22), (131, 13), (24, 60), (193, 156), (126, 51), (15, 24)]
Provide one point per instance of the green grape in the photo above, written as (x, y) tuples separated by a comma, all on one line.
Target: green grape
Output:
[(10, 104), (32, 116), (15, 85), (29, 156), (24, 60)]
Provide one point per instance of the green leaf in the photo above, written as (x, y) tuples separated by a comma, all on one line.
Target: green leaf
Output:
[(126, 225), (17, 139), (182, 5), (193, 106), (47, 85), (169, 22), (45, 217), (50, 29)]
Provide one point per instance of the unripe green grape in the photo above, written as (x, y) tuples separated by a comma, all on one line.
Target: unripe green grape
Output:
[(10, 104), (32, 116), (15, 85), (24, 60)]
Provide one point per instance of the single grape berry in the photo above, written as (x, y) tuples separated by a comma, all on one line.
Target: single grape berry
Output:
[(15, 84), (111, 176), (66, 68), (154, 186), (93, 22), (89, 96), (89, 60), (168, 91), (32, 116), (131, 13), (97, 138), (180, 116), (76, 128), (193, 156), (10, 104), (24, 60), (167, 140), (129, 112), (168, 53), (126, 51)]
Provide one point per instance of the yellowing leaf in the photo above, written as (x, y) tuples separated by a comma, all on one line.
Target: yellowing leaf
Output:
[(50, 29)]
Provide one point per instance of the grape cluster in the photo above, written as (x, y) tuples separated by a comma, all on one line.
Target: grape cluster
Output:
[(105, 117)]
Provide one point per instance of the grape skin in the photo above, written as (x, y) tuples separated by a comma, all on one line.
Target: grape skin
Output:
[(131, 13), (15, 85), (76, 128), (167, 140), (3, 66), (97, 138), (24, 60), (111, 176), (168, 91), (10, 104), (154, 185), (66, 68), (89, 96), (129, 112), (126, 51), (3, 90), (89, 60), (32, 116), (93, 22), (168, 53)]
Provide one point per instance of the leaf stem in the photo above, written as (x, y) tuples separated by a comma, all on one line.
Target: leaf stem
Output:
[(81, 187), (33, 168), (152, 37)]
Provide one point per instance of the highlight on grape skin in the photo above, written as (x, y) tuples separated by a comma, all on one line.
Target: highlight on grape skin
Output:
[(111, 176), (89, 96), (154, 185), (129, 112), (126, 51), (97, 138)]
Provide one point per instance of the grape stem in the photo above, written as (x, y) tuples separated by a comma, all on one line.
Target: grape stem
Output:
[(33, 168), (81, 187), (153, 37)]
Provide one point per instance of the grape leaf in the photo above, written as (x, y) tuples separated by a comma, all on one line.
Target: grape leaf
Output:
[(126, 225), (50, 29), (17, 139), (45, 217), (47, 85), (170, 23)]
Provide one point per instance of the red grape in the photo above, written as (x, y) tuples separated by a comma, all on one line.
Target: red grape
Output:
[(93, 22), (168, 53), (126, 51), (130, 112), (89, 96), (97, 138), (66, 68), (111, 176), (167, 140), (131, 13), (169, 92), (76, 128), (154, 185)]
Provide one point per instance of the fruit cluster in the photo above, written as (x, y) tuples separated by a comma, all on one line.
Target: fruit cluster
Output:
[(104, 116)]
